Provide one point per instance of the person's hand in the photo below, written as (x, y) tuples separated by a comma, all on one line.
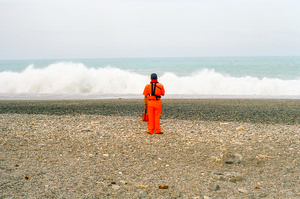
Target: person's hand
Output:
[(145, 106)]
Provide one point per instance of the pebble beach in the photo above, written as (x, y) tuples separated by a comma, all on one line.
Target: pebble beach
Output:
[(211, 148)]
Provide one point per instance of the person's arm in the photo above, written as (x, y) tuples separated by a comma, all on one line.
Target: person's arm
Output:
[(146, 101), (163, 91)]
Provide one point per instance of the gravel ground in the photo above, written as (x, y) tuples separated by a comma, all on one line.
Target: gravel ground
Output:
[(100, 149)]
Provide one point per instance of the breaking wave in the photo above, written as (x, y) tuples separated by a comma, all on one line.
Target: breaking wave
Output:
[(76, 78)]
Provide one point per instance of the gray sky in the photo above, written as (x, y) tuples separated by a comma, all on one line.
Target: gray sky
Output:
[(40, 29)]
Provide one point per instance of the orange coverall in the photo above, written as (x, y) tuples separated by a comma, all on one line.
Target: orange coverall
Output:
[(153, 107)]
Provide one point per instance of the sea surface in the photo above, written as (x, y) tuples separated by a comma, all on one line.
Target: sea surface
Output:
[(203, 77)]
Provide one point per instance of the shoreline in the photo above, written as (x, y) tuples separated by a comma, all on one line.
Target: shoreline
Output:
[(93, 96), (281, 111)]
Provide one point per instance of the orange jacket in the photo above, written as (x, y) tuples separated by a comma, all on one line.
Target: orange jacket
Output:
[(159, 91)]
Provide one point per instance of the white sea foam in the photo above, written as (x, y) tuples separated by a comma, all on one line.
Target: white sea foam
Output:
[(76, 78)]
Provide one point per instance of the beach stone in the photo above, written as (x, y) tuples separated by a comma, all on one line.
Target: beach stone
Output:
[(240, 128), (219, 177), (231, 180), (141, 192), (242, 190), (231, 158), (239, 157), (213, 158), (115, 187), (223, 123), (222, 178), (163, 187), (228, 175), (86, 130), (215, 187), (262, 195), (206, 197), (290, 192), (238, 178)]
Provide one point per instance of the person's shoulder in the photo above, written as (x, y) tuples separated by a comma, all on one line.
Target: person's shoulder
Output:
[(147, 86), (160, 86)]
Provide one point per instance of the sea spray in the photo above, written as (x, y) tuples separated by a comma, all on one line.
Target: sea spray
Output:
[(209, 82), (71, 78), (77, 78)]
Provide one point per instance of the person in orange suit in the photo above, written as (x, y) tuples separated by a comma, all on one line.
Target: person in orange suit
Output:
[(153, 93)]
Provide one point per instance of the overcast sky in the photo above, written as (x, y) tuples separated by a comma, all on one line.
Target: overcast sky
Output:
[(42, 29)]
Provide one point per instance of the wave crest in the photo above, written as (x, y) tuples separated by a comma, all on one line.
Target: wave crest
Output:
[(76, 78)]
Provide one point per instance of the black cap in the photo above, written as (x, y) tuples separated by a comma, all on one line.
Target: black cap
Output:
[(153, 76)]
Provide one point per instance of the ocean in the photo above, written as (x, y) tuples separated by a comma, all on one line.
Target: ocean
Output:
[(203, 77)]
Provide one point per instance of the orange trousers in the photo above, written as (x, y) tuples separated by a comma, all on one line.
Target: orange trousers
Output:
[(154, 112)]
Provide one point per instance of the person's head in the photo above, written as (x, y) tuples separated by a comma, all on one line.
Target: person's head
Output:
[(153, 76)]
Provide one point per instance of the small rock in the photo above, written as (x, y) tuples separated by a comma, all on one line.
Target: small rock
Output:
[(242, 190), (123, 182), (237, 155), (142, 186), (141, 192), (238, 178), (219, 177), (240, 128), (206, 197), (215, 187), (228, 175), (229, 162), (232, 180), (290, 192), (222, 178), (86, 130), (262, 195), (115, 186), (163, 186), (240, 158), (224, 123)]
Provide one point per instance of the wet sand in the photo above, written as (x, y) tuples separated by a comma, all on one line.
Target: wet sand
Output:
[(211, 148)]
